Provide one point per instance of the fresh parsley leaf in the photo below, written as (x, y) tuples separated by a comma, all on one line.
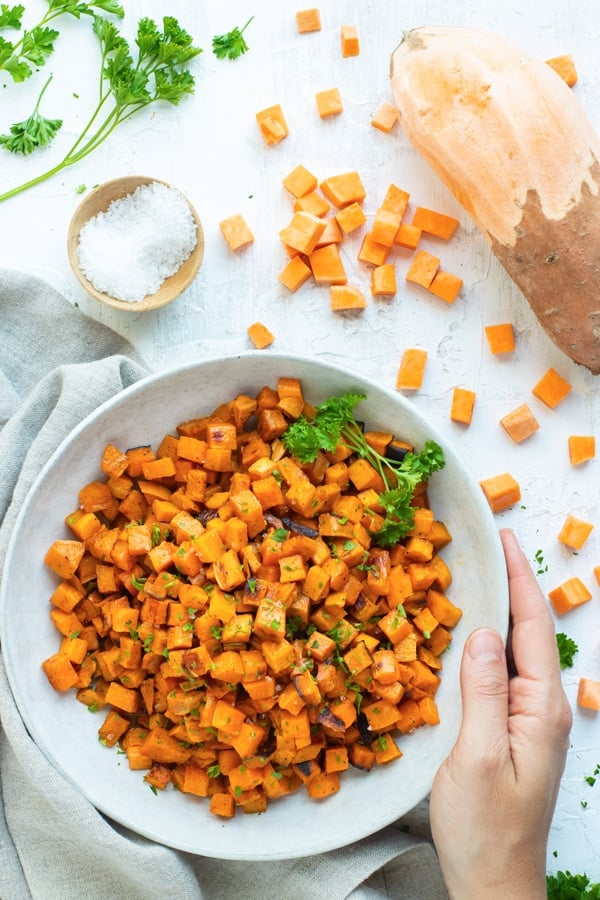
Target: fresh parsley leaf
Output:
[(10, 16), (128, 82), (565, 886), (567, 648), (232, 44), (333, 424), (35, 131)]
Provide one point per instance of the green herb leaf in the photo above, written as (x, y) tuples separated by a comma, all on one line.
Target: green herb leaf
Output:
[(565, 886), (10, 16), (36, 131), (232, 44), (567, 648), (280, 535)]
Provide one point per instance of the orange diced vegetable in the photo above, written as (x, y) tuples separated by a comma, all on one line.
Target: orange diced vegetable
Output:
[(332, 233), (350, 217), (396, 200), (329, 103), (501, 491), (272, 124), (408, 236), (64, 557), (303, 232), (371, 252), (312, 203), (385, 226), (385, 117), (551, 388), (423, 268), (236, 232), (300, 181), (582, 448), (463, 401), (501, 338), (434, 223), (568, 595), (327, 266), (383, 281), (575, 532), (308, 20), (597, 574), (445, 285), (412, 369), (588, 694), (60, 672), (564, 65), (294, 274), (341, 190), (520, 423), (350, 42), (260, 335), (346, 297)]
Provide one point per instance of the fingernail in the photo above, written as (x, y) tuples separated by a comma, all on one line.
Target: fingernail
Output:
[(485, 644)]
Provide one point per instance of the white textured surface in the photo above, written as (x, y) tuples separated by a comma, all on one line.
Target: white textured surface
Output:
[(210, 148)]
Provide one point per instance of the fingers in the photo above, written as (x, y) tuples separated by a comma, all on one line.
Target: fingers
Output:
[(533, 639), (484, 689)]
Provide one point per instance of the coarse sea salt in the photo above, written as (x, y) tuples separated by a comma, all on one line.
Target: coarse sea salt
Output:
[(139, 241)]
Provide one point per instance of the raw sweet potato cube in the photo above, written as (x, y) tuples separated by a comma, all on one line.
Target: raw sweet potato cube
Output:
[(412, 369), (327, 266), (434, 223), (313, 203), (385, 117), (349, 40), (501, 338), (568, 595), (520, 423), (383, 281), (372, 252), (551, 388), (445, 285), (385, 226), (260, 335), (408, 236), (588, 694), (303, 232), (582, 447), (236, 232), (575, 532), (300, 181), (294, 274), (329, 103), (350, 217), (272, 124), (346, 297), (308, 20), (501, 491), (341, 190), (463, 401), (423, 268)]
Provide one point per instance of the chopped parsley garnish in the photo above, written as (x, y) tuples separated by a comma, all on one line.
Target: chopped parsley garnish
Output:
[(567, 648)]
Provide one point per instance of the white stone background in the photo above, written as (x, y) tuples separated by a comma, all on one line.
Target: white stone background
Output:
[(210, 148)]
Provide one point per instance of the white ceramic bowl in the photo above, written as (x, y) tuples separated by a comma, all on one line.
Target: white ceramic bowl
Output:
[(66, 732)]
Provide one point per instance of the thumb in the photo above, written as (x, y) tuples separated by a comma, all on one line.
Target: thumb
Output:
[(484, 689)]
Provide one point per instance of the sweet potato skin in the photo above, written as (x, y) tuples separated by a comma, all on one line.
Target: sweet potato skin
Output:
[(512, 143)]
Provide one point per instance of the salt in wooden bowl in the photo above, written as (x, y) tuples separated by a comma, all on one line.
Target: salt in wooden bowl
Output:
[(98, 201)]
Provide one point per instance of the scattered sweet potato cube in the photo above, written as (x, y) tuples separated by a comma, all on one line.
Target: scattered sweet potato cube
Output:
[(308, 20), (520, 423), (272, 124), (260, 335), (294, 274), (350, 217), (575, 532), (350, 42), (313, 203), (332, 233), (501, 491), (385, 117), (327, 266), (501, 338), (435, 223), (582, 448), (423, 268), (383, 280), (346, 297), (588, 694), (329, 103), (303, 232), (408, 236), (341, 190), (568, 595), (445, 285), (236, 232), (385, 226), (300, 181), (463, 402), (412, 369), (551, 388), (372, 252)]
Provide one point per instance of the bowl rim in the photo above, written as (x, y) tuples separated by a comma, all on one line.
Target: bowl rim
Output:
[(172, 286), (234, 851)]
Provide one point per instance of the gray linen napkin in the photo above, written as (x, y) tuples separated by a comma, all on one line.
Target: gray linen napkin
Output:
[(56, 366)]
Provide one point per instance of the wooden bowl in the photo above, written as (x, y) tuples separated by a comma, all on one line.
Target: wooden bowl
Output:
[(98, 201)]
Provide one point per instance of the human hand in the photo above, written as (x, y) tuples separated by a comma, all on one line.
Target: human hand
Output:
[(494, 796)]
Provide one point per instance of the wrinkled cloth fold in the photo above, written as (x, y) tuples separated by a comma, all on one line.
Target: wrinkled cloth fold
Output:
[(56, 367)]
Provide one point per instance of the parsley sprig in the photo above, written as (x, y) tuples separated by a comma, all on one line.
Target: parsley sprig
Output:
[(35, 45), (566, 886), (567, 648), (35, 131), (128, 85), (232, 44), (334, 423)]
